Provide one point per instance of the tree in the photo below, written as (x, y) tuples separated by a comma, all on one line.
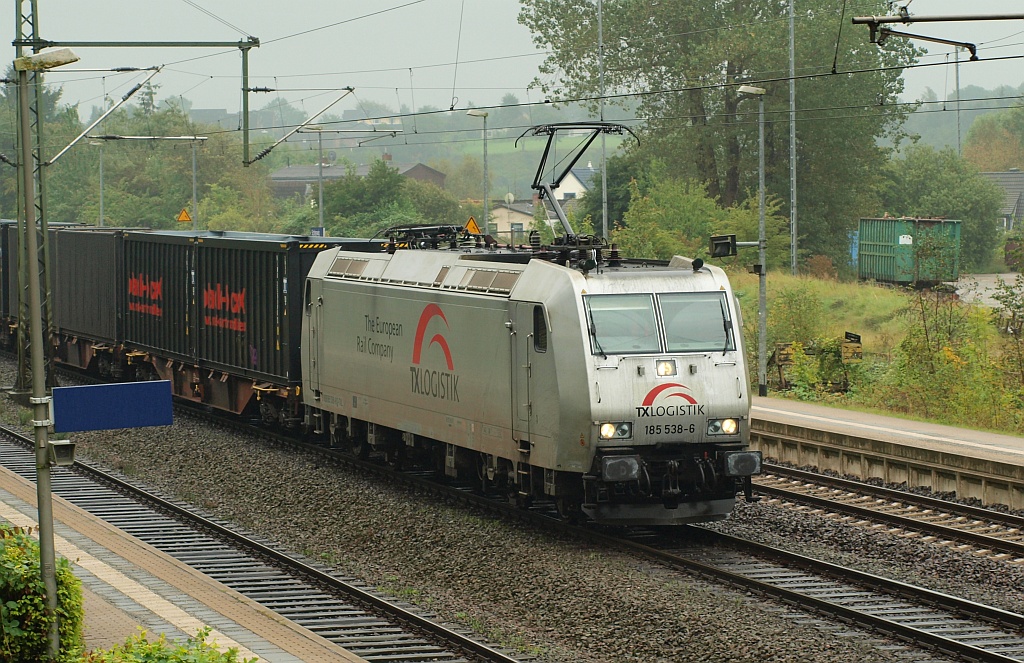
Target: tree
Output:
[(432, 203), (929, 183), (677, 217), (464, 179), (684, 60), (623, 170), (996, 141), (61, 122)]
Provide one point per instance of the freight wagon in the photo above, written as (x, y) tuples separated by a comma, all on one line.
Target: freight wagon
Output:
[(215, 313)]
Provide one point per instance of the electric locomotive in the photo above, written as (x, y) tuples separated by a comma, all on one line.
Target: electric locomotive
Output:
[(617, 388)]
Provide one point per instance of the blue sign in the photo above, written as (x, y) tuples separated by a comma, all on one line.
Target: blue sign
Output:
[(106, 406), (316, 232)]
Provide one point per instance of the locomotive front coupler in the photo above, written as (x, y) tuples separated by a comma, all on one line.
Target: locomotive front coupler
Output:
[(748, 490)]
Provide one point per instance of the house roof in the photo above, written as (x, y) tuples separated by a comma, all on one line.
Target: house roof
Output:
[(585, 175), (523, 207), (1012, 184)]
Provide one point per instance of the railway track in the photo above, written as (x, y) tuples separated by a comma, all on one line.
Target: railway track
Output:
[(998, 534), (338, 609), (932, 620)]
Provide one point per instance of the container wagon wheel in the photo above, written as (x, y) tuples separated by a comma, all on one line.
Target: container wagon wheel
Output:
[(336, 434), (360, 447)]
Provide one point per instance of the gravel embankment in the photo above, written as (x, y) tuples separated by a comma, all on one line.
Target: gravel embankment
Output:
[(557, 600)]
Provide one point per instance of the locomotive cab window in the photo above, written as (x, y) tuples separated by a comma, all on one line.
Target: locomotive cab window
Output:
[(697, 322), (622, 324), (540, 330)]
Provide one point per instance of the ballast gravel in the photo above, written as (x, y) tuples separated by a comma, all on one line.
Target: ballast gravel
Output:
[(550, 599)]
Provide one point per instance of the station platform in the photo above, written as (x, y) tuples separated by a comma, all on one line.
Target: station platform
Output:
[(974, 464), (129, 586), (945, 439)]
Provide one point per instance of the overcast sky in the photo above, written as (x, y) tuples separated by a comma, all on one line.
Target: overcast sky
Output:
[(440, 53)]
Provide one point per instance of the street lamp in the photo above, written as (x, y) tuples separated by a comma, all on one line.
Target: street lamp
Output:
[(487, 219), (39, 400), (762, 296), (99, 143)]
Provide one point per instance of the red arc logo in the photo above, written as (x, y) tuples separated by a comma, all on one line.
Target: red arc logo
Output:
[(430, 312), (653, 394)]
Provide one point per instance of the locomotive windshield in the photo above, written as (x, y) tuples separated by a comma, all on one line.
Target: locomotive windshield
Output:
[(697, 322), (623, 324), (629, 324)]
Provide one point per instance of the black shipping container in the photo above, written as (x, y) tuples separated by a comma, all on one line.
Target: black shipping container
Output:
[(87, 280), (222, 300), (159, 310), (249, 294), (6, 265), (11, 284)]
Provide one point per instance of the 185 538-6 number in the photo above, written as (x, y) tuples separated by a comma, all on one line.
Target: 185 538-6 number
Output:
[(670, 429)]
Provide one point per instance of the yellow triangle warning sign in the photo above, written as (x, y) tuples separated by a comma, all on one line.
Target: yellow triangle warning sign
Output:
[(183, 217), (472, 226)]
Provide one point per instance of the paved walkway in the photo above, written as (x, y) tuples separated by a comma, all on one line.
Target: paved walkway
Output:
[(980, 287), (128, 585)]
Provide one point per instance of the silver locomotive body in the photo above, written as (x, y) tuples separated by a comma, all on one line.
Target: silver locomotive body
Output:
[(620, 393)]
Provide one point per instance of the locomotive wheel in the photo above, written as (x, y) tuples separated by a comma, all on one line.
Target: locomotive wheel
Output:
[(483, 483), (395, 455), (518, 499), (569, 509)]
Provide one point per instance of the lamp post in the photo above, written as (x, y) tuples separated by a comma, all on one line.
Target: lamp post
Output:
[(762, 292), (320, 168), (39, 400), (483, 114), (320, 174), (99, 143)]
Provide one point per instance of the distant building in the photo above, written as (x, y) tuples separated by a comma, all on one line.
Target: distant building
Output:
[(214, 116), (377, 124), (576, 183), (1012, 183), (512, 221), (300, 180)]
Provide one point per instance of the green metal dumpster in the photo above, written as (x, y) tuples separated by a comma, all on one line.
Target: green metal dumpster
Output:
[(909, 250)]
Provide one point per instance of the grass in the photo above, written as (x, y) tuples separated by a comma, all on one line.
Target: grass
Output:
[(870, 310), (966, 385)]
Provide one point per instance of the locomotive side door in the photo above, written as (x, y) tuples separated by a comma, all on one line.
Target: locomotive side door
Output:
[(530, 370), (313, 309), (522, 340)]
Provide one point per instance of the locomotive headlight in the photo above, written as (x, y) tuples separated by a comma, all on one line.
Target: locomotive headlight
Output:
[(622, 430), (723, 426), (620, 468), (666, 368)]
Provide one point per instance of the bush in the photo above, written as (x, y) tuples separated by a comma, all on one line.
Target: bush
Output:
[(26, 624), (140, 650)]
